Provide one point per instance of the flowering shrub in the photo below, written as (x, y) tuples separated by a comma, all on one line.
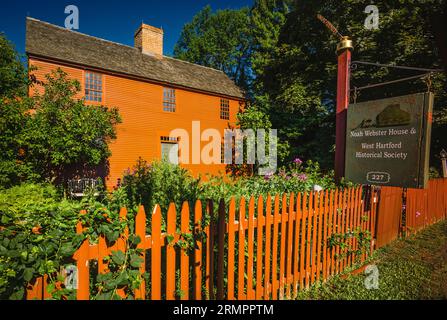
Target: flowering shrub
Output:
[(294, 178)]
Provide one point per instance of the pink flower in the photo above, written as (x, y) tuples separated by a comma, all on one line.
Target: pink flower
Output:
[(418, 214), (297, 161), (302, 177)]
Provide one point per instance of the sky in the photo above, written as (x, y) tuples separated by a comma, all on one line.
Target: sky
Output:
[(112, 20)]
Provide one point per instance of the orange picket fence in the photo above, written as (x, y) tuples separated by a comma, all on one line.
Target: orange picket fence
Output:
[(425, 207), (256, 249), (261, 249)]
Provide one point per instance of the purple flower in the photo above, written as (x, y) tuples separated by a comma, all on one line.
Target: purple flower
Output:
[(302, 177), (268, 176), (297, 161), (288, 177)]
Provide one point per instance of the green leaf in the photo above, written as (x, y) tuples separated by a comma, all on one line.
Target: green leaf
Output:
[(134, 239), (135, 260), (18, 294), (170, 238), (28, 274), (118, 257)]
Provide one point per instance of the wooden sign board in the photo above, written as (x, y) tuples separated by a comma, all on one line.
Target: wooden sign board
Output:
[(388, 141)]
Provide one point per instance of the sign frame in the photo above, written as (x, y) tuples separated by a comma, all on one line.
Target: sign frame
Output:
[(402, 124)]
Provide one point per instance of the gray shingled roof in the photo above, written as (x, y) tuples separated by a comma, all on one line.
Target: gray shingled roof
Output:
[(50, 41)]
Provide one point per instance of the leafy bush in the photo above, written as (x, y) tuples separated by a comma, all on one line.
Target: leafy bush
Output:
[(162, 183), (159, 183), (38, 237), (37, 233), (51, 135), (293, 178)]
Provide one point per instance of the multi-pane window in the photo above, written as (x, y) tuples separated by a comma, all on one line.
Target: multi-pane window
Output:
[(170, 150), (224, 109), (168, 100), (93, 87)]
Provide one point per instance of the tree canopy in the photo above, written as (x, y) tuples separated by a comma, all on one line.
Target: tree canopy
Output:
[(50, 134), (293, 63)]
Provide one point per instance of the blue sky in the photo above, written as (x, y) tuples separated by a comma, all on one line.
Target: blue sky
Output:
[(114, 20)]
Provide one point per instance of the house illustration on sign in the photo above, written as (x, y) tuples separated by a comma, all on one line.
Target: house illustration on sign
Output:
[(155, 94)]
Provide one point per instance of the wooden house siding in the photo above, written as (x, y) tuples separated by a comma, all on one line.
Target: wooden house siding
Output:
[(140, 104)]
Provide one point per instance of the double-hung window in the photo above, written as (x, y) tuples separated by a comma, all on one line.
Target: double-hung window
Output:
[(224, 109), (93, 87), (168, 100)]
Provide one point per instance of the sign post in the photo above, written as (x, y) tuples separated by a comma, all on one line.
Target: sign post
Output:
[(388, 141), (344, 50)]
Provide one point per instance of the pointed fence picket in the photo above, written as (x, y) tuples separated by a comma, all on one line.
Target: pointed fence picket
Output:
[(257, 248)]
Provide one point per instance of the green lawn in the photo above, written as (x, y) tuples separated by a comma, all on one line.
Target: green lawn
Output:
[(412, 268)]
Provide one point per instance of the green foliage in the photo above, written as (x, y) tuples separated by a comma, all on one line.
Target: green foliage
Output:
[(219, 40), (64, 132), (361, 239), (301, 80), (159, 183), (37, 236), (293, 178), (293, 64), (53, 134), (13, 75), (253, 119), (14, 119)]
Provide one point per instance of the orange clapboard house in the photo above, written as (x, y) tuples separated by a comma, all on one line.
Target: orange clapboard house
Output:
[(154, 93)]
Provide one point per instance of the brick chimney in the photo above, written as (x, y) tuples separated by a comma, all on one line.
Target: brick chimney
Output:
[(149, 40)]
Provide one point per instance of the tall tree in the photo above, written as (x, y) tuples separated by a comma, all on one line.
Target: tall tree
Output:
[(51, 134), (301, 79), (13, 75), (219, 40)]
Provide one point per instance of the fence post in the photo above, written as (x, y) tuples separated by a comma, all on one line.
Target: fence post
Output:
[(210, 252), (156, 254), (282, 253), (170, 253), (220, 250), (259, 249), (82, 263), (241, 257), (268, 244), (231, 245), (184, 256), (140, 230), (198, 250)]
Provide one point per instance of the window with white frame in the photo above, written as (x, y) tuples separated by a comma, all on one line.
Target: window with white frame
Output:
[(168, 99), (93, 87), (224, 109)]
